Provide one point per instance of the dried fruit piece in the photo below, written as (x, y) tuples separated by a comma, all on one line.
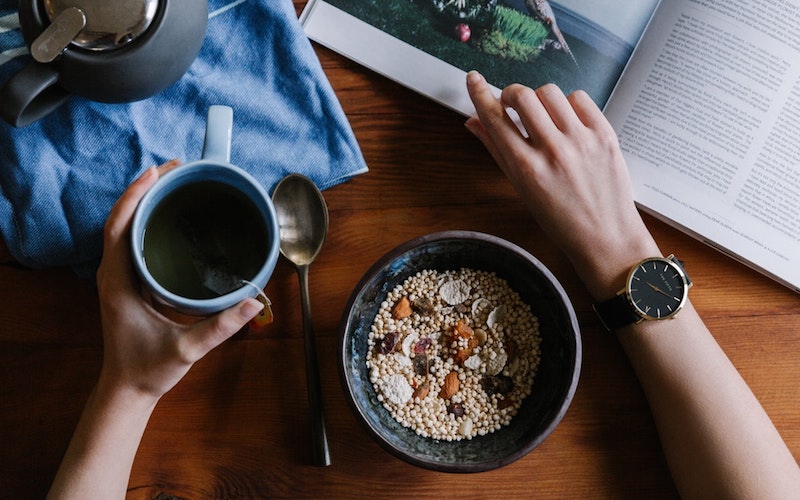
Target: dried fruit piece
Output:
[(450, 386), (510, 346), (456, 409), (423, 305), (505, 402), (462, 355), (388, 342), (512, 366), (420, 363), (422, 345), (402, 309), (463, 330)]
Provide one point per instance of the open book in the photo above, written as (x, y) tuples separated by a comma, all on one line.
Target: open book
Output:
[(704, 94)]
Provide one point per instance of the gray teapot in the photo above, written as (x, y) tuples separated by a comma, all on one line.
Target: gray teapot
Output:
[(109, 51)]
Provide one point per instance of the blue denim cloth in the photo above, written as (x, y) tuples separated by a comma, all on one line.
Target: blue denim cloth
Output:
[(60, 176)]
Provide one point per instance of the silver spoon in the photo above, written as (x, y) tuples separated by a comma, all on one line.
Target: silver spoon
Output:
[(303, 220)]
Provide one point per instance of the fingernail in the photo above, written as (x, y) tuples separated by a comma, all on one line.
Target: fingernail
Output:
[(474, 77), (250, 308), (170, 163), (147, 173), (469, 126)]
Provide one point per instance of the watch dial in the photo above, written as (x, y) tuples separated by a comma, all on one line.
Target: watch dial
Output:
[(657, 288)]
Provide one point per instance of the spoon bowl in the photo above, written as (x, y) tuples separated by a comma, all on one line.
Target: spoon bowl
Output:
[(303, 221), (303, 218)]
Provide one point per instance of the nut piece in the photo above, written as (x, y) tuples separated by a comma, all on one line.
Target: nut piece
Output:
[(421, 392), (450, 386), (402, 309), (465, 428)]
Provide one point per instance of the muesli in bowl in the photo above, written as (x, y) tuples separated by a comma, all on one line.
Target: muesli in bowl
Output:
[(459, 352)]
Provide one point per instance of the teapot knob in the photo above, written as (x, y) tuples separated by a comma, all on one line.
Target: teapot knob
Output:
[(55, 38)]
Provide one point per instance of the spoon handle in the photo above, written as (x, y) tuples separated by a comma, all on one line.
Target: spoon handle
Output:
[(319, 438)]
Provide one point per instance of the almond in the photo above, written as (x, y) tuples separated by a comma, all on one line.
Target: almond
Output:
[(450, 386), (402, 309), (421, 392)]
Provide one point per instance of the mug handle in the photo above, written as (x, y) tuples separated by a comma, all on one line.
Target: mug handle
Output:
[(219, 128), (31, 94)]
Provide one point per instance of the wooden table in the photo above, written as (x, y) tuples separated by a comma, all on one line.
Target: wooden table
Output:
[(237, 426)]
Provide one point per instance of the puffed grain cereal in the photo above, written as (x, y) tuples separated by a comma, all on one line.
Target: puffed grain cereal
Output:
[(462, 362)]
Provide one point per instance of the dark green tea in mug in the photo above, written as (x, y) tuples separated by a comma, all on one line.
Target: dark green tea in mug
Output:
[(203, 239)]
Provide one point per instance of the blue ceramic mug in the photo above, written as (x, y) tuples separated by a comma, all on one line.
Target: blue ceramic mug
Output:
[(206, 235)]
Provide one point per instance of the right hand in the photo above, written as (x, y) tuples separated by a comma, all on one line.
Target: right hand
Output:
[(144, 350), (571, 174)]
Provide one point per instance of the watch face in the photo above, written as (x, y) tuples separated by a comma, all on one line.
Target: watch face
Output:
[(657, 288)]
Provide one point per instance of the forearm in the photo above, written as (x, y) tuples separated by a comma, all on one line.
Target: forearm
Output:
[(98, 461), (718, 440), (571, 172)]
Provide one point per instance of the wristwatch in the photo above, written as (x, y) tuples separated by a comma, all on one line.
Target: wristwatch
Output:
[(656, 288)]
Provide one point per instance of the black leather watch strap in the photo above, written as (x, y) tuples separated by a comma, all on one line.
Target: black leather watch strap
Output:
[(616, 313)]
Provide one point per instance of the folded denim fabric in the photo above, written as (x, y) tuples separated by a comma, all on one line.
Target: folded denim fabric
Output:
[(60, 176)]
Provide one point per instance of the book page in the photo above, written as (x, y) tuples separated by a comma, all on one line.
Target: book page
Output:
[(708, 116)]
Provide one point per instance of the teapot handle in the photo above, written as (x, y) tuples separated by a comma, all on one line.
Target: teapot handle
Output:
[(31, 94)]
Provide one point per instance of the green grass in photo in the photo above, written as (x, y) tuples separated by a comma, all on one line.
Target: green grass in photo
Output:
[(513, 35)]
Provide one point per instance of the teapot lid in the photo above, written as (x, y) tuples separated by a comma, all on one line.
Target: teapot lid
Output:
[(109, 24)]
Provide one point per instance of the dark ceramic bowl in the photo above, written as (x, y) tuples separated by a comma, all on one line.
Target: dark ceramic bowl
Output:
[(553, 386)]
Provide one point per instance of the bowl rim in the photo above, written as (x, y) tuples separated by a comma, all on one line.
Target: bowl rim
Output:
[(345, 378)]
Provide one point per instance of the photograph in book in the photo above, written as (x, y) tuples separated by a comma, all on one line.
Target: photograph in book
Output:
[(573, 43)]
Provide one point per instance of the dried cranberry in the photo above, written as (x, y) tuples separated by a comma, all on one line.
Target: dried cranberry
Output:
[(457, 409), (421, 364), (388, 343), (422, 345)]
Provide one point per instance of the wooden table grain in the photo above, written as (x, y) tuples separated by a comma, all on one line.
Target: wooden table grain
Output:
[(237, 426)]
